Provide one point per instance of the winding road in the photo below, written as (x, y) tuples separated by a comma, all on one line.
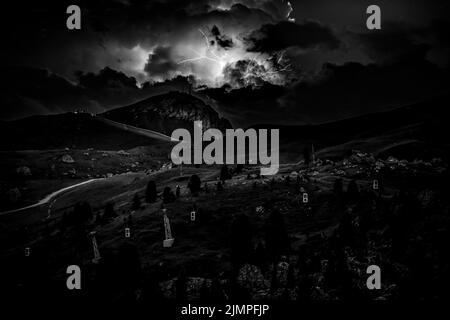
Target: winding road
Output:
[(50, 196), (121, 126)]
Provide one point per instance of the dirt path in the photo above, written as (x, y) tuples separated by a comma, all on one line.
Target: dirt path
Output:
[(50, 196)]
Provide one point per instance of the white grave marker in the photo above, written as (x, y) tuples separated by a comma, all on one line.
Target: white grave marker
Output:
[(97, 256), (168, 242)]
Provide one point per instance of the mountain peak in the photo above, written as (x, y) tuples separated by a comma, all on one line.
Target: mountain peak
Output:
[(168, 111)]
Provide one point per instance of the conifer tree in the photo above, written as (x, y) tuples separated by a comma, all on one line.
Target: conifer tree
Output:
[(150, 193), (136, 202), (194, 184)]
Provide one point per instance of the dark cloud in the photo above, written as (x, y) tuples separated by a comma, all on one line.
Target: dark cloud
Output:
[(275, 37), (386, 45), (352, 89), (244, 73), (278, 10), (107, 78), (112, 29), (161, 63), (396, 40), (178, 83), (249, 105), (28, 91), (123, 42), (222, 40), (351, 14), (341, 91)]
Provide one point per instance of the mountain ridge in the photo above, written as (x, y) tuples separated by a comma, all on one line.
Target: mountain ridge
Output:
[(421, 121), (167, 112), (162, 113)]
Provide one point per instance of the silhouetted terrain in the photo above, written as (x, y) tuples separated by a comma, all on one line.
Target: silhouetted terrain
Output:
[(163, 113), (167, 112), (253, 237), (409, 132), (69, 130), (414, 131)]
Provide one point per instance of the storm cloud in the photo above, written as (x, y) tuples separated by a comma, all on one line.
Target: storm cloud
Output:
[(285, 34), (28, 91), (317, 60)]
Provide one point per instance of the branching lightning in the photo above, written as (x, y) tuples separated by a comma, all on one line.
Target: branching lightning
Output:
[(254, 68), (213, 56)]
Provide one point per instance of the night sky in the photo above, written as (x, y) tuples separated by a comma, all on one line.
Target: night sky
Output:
[(281, 62)]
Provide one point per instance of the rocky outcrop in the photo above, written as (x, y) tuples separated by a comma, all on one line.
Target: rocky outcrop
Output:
[(67, 159), (23, 171), (169, 111)]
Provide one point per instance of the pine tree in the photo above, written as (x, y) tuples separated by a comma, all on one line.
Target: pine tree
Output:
[(274, 280), (224, 173), (150, 193), (181, 286), (352, 191), (260, 256), (82, 213), (194, 184), (136, 202), (168, 195), (128, 265), (241, 240), (216, 291), (109, 212), (277, 240), (337, 187), (290, 281), (204, 292), (288, 180), (98, 217), (239, 168), (307, 156)]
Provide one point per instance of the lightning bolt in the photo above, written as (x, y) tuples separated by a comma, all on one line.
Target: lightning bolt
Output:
[(211, 57), (280, 63), (291, 9)]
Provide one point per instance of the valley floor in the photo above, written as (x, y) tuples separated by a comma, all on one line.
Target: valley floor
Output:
[(332, 237)]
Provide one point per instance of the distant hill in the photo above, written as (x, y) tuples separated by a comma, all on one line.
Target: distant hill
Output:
[(416, 131), (68, 130), (167, 112), (419, 130), (162, 113)]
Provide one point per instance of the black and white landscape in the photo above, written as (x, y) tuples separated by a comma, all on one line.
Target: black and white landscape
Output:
[(87, 180)]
